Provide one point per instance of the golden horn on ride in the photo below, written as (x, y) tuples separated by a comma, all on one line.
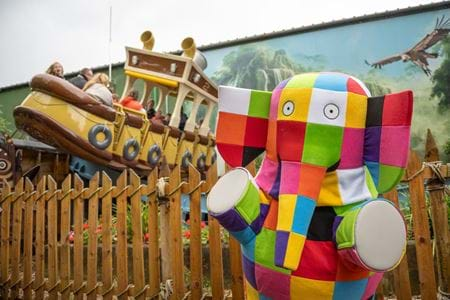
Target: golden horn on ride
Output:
[(148, 40), (190, 50)]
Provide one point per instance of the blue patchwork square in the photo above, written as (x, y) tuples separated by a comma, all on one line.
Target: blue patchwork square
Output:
[(349, 289), (304, 210), (332, 82)]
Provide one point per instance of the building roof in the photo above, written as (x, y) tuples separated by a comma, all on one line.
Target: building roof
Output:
[(275, 34)]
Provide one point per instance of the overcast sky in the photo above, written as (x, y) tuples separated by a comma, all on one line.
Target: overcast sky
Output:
[(34, 33)]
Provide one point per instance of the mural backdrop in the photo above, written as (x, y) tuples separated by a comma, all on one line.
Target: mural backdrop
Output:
[(389, 55)]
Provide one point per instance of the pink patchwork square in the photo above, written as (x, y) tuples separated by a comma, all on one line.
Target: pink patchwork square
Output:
[(266, 279), (394, 145), (274, 103), (352, 148), (290, 176)]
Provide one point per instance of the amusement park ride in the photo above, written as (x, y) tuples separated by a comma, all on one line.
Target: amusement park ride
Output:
[(68, 119)]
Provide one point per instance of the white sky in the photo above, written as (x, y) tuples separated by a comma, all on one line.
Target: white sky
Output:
[(34, 33)]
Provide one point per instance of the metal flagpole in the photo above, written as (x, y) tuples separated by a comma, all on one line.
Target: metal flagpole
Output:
[(110, 41)]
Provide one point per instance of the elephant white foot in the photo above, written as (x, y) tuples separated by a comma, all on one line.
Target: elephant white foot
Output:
[(372, 236), (234, 202)]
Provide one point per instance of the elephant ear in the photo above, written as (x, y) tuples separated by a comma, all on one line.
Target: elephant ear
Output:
[(242, 124), (387, 135)]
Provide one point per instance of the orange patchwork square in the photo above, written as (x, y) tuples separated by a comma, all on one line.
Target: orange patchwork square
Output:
[(231, 129), (310, 180)]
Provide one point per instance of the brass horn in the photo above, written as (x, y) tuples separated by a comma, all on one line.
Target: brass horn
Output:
[(190, 50), (148, 40)]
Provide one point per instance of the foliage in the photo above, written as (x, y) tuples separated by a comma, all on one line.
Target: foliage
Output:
[(5, 125), (441, 77)]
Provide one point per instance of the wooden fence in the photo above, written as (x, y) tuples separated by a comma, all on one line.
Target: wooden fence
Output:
[(47, 249)]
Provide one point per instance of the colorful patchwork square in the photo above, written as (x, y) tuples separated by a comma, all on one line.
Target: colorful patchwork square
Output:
[(372, 138), (259, 104), (304, 209), (319, 261), (290, 137), (304, 288), (394, 145), (265, 279), (271, 144), (344, 290), (265, 250), (300, 100), (230, 129), (352, 185), (234, 153), (329, 193), (374, 111), (388, 177), (275, 100), (309, 182), (352, 148), (286, 204), (305, 80), (321, 226), (345, 272), (234, 100), (248, 267), (256, 132), (294, 250), (322, 144), (355, 86), (394, 112), (327, 107), (356, 111), (290, 177), (331, 81), (374, 170)]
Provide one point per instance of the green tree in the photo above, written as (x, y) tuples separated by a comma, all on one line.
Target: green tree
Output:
[(5, 125), (441, 77)]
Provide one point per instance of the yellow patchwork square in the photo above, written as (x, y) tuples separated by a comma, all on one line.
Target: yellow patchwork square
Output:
[(329, 192), (295, 245), (252, 294), (286, 205), (300, 98), (356, 111), (263, 199), (310, 289)]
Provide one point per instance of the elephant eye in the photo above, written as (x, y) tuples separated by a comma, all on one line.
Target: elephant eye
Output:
[(288, 108), (331, 111)]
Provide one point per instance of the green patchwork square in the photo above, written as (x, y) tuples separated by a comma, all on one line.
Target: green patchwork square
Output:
[(248, 206), (389, 177), (370, 184), (302, 81), (265, 250), (323, 144), (345, 233), (259, 104)]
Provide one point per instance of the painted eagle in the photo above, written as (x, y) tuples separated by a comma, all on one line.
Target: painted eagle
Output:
[(417, 53)]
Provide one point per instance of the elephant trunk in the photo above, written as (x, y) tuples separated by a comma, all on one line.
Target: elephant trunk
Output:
[(299, 190)]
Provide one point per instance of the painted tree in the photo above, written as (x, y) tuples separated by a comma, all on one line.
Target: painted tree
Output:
[(441, 77)]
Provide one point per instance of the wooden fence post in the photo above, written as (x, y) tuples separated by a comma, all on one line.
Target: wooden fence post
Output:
[(30, 196), (439, 217), (215, 244), (78, 255), (107, 227), (5, 236), (176, 244), (39, 258), (17, 204), (134, 192), (164, 220), (52, 239), (153, 240), (402, 285), (64, 236), (91, 195), (122, 247), (421, 228), (195, 218)]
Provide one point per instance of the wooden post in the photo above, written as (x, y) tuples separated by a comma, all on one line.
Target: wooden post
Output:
[(421, 229), (107, 226), (78, 255), (439, 217), (402, 285), (28, 241), (64, 236), (39, 258), (176, 244), (195, 218), (91, 194), (164, 219), (4, 242), (134, 192), (17, 204), (153, 241), (122, 248), (52, 241), (215, 244)]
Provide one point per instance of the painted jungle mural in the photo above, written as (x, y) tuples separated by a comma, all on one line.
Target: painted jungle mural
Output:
[(408, 52)]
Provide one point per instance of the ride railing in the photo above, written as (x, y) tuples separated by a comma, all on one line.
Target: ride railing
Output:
[(92, 241)]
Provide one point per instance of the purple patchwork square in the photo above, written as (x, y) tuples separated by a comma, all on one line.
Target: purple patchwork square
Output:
[(372, 144)]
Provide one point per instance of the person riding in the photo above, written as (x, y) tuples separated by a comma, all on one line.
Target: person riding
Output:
[(56, 69), (84, 76), (98, 88), (130, 101)]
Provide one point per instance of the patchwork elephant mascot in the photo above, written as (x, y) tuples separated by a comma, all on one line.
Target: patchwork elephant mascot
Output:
[(312, 224)]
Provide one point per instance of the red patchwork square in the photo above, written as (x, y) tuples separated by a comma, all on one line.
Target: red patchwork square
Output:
[(397, 109), (290, 140), (232, 154), (318, 261), (256, 132)]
